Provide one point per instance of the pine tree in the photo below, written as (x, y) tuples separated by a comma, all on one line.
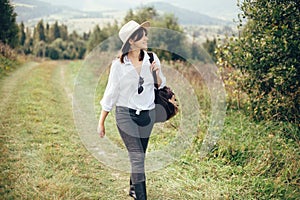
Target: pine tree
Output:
[(210, 47), (40, 32), (63, 30), (28, 46), (8, 25), (47, 32), (95, 38), (55, 31), (22, 35)]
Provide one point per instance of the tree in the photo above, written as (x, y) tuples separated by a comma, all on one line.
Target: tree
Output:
[(169, 37), (39, 32), (8, 25), (63, 30), (171, 40), (39, 39), (267, 53), (47, 32), (210, 46), (86, 36), (73, 36), (39, 48), (28, 46), (141, 15), (56, 48), (94, 39), (54, 32), (22, 34)]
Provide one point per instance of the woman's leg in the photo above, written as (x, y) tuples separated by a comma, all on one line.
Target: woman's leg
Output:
[(136, 155), (136, 140)]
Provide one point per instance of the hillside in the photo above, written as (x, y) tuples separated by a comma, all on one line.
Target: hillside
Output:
[(28, 10), (188, 17), (31, 10)]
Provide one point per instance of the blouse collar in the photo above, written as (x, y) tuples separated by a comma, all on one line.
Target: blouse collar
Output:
[(127, 61)]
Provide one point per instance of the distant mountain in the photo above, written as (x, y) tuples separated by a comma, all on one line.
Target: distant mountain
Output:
[(222, 9), (28, 10), (96, 5), (187, 17), (32, 9)]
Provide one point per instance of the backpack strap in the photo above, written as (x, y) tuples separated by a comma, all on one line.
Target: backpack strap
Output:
[(151, 59)]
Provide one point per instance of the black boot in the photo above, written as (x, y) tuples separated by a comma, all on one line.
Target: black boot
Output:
[(131, 190), (140, 191)]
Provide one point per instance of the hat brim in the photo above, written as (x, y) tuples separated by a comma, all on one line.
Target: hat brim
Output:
[(145, 25)]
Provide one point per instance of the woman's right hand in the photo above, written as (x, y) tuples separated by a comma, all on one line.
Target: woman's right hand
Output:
[(101, 127), (101, 130)]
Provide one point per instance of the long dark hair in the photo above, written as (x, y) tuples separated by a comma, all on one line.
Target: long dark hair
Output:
[(136, 36)]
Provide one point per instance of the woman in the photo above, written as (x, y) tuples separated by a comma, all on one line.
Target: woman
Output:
[(131, 88)]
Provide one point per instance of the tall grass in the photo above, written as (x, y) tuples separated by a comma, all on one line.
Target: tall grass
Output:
[(42, 156), (8, 59), (252, 160)]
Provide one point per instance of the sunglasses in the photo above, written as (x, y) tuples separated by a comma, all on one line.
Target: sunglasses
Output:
[(140, 87)]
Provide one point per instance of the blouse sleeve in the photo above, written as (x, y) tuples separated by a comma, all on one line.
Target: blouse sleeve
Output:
[(161, 75), (112, 89)]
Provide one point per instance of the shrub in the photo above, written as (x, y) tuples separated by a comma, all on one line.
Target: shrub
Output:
[(8, 59), (266, 53)]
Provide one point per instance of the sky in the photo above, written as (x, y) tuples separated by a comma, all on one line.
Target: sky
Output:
[(226, 9)]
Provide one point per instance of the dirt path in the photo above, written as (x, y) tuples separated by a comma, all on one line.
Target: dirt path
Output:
[(11, 82), (42, 156)]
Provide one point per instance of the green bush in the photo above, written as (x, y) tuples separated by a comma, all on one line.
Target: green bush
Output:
[(267, 55), (53, 52), (8, 59)]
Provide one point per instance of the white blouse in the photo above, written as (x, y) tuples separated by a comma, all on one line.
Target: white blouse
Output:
[(123, 83)]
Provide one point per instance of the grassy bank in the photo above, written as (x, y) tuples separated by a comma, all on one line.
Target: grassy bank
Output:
[(8, 60), (42, 156)]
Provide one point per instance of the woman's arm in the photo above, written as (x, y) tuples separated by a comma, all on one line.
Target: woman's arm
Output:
[(161, 79), (101, 126), (157, 71), (156, 66), (112, 89)]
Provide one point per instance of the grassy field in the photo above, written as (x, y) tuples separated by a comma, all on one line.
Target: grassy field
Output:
[(42, 156)]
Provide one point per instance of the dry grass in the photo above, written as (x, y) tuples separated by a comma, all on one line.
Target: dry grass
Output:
[(42, 156)]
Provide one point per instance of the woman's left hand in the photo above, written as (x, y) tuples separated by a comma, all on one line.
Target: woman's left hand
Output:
[(153, 67), (156, 69)]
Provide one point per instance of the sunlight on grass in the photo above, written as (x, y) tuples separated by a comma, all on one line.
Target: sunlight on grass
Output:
[(42, 156)]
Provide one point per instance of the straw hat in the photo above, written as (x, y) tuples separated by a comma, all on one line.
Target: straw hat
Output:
[(129, 28)]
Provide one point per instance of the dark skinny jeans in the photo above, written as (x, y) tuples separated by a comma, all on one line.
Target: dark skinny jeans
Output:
[(135, 130)]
